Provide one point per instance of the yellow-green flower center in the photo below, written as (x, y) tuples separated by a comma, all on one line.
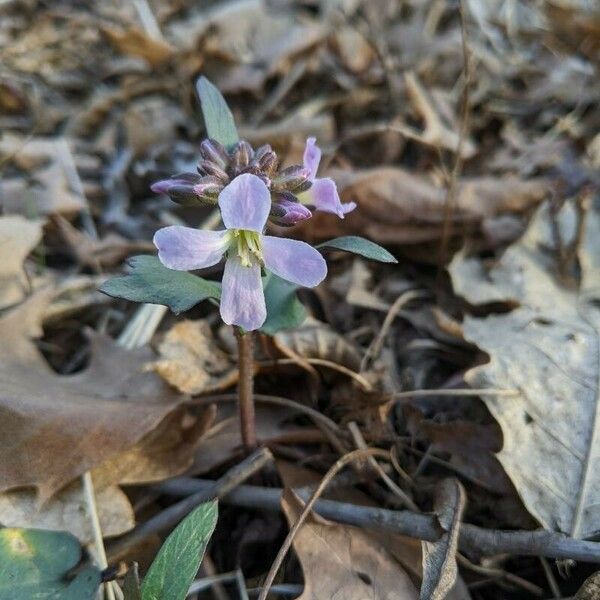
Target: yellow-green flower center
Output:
[(248, 246)]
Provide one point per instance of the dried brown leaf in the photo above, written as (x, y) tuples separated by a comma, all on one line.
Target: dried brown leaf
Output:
[(343, 561), (547, 349), (55, 428), (396, 206), (191, 360)]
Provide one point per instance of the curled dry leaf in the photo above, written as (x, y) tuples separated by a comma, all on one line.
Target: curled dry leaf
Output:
[(18, 237), (399, 207), (314, 339), (53, 428), (340, 561), (547, 348), (192, 362), (439, 558)]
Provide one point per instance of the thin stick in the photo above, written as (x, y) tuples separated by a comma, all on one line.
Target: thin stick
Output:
[(322, 362), (462, 135), (315, 415), (359, 440), (90, 499), (375, 347), (455, 392), (473, 539), (338, 466), (246, 388), (172, 515)]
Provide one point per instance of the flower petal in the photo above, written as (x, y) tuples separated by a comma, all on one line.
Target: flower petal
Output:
[(294, 261), (242, 296), (245, 203), (312, 157), (186, 248), (324, 195)]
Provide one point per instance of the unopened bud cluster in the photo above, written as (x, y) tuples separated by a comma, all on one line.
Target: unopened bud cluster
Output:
[(218, 167)]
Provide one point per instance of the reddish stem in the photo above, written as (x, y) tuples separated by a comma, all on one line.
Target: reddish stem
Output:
[(246, 388)]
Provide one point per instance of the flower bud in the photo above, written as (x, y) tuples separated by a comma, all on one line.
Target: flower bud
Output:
[(183, 189), (241, 156), (288, 212), (268, 163), (208, 189), (292, 179), (208, 167), (214, 152)]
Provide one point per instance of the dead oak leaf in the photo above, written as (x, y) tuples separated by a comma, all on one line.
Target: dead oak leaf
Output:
[(54, 428), (547, 348), (339, 561)]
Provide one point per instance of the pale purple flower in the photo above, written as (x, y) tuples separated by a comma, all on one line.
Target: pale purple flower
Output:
[(323, 193), (245, 204)]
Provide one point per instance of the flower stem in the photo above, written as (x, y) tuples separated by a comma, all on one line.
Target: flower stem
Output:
[(246, 388)]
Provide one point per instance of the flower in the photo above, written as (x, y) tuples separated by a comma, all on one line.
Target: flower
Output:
[(323, 192), (245, 204)]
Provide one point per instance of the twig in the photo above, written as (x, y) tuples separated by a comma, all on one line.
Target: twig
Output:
[(550, 578), (322, 362), (70, 169), (90, 500), (473, 539), (246, 388), (455, 392), (172, 515), (338, 466), (283, 589), (359, 440), (462, 134), (315, 415), (375, 347)]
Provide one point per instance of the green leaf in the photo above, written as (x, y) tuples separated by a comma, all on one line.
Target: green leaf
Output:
[(151, 282), (218, 119), (284, 310), (35, 564), (177, 562), (360, 246)]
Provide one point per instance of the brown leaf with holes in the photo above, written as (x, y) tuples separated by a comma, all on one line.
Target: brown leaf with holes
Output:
[(339, 561), (54, 428)]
